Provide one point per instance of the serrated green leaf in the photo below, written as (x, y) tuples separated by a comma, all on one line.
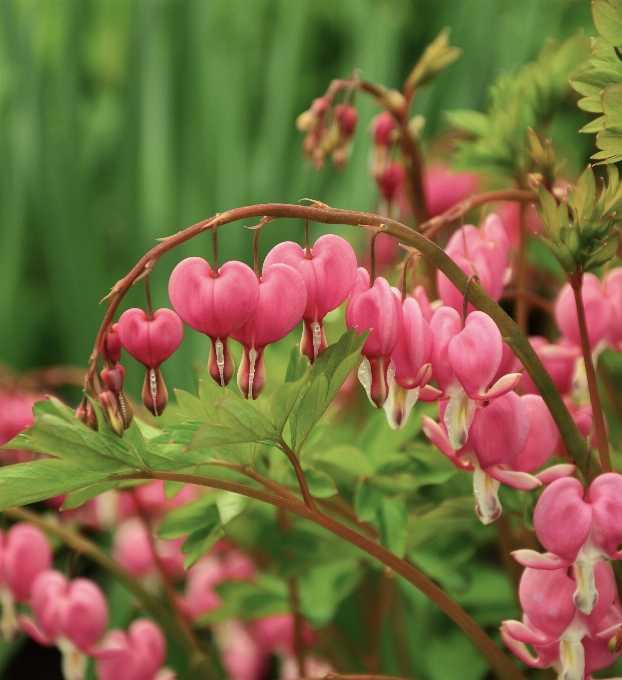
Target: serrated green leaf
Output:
[(42, 479), (584, 196), (283, 401), (192, 516), (607, 15), (191, 408), (595, 126), (55, 407), (474, 122), (612, 107), (606, 254)]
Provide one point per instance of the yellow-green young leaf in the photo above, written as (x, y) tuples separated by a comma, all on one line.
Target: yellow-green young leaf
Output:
[(470, 121), (591, 104), (610, 144), (435, 59), (607, 15), (612, 106), (595, 126), (604, 255), (348, 459), (367, 502), (192, 408), (320, 484), (595, 80), (171, 489)]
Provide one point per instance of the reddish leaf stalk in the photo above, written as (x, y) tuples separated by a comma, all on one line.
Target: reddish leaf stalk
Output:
[(576, 281)]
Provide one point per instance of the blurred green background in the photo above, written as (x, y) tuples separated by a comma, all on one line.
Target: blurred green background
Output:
[(126, 120)]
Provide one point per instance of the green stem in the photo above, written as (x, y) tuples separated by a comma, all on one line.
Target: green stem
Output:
[(499, 661), (198, 662), (576, 281)]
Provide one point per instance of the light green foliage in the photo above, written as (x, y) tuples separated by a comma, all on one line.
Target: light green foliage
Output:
[(587, 239), (601, 83), (434, 60), (519, 101)]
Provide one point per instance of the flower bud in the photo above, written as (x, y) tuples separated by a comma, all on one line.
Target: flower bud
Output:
[(113, 378), (117, 410), (391, 181), (110, 346)]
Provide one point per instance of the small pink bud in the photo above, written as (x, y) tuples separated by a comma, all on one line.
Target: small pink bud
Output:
[(137, 655), (117, 410), (215, 305), (110, 347), (391, 180), (382, 126), (113, 377), (282, 302), (346, 117), (328, 276)]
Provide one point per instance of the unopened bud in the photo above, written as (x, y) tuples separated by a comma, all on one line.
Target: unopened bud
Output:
[(110, 346), (117, 410), (615, 643), (85, 414), (220, 364), (346, 117), (391, 180), (382, 126), (113, 377), (155, 394)]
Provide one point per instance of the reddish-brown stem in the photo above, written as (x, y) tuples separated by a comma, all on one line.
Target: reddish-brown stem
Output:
[(576, 281), (215, 251), (435, 225), (308, 254), (299, 642), (182, 621), (148, 296), (522, 302), (499, 661), (372, 259), (383, 604), (300, 476)]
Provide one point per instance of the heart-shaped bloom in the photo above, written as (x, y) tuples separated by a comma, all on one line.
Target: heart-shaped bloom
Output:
[(378, 310), (151, 340), (24, 554), (328, 275), (578, 531), (411, 358), (282, 302), (214, 304), (486, 249), (559, 359), (137, 655), (69, 614), (15, 416), (276, 633), (465, 363)]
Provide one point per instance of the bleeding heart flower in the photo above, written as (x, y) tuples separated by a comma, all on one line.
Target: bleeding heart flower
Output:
[(69, 614), (376, 309), (215, 304), (151, 340), (578, 531), (282, 302), (137, 655), (444, 188), (328, 274), (24, 554)]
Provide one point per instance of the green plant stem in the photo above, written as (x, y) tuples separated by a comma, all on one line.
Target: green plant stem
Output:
[(576, 281), (499, 661), (318, 212), (198, 662), (522, 301)]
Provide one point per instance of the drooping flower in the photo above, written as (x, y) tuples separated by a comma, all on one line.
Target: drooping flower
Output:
[(377, 309), (24, 554), (215, 304), (328, 273), (69, 614), (151, 340), (282, 302)]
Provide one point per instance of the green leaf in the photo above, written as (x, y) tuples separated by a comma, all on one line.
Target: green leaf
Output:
[(171, 489), (312, 406), (283, 401), (612, 107), (471, 121), (199, 542), (394, 526), (320, 484), (367, 502), (42, 479), (192, 408), (604, 255), (607, 15), (346, 458), (297, 365), (435, 59), (77, 498), (55, 407)]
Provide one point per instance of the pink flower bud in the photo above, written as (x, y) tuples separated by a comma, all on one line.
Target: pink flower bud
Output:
[(598, 312), (376, 308), (214, 305), (346, 117), (391, 180), (382, 126), (282, 302), (135, 656), (328, 276), (110, 347), (117, 410), (113, 378), (444, 188), (150, 340)]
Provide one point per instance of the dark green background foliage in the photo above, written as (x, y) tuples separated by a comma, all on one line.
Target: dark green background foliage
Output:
[(123, 121)]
